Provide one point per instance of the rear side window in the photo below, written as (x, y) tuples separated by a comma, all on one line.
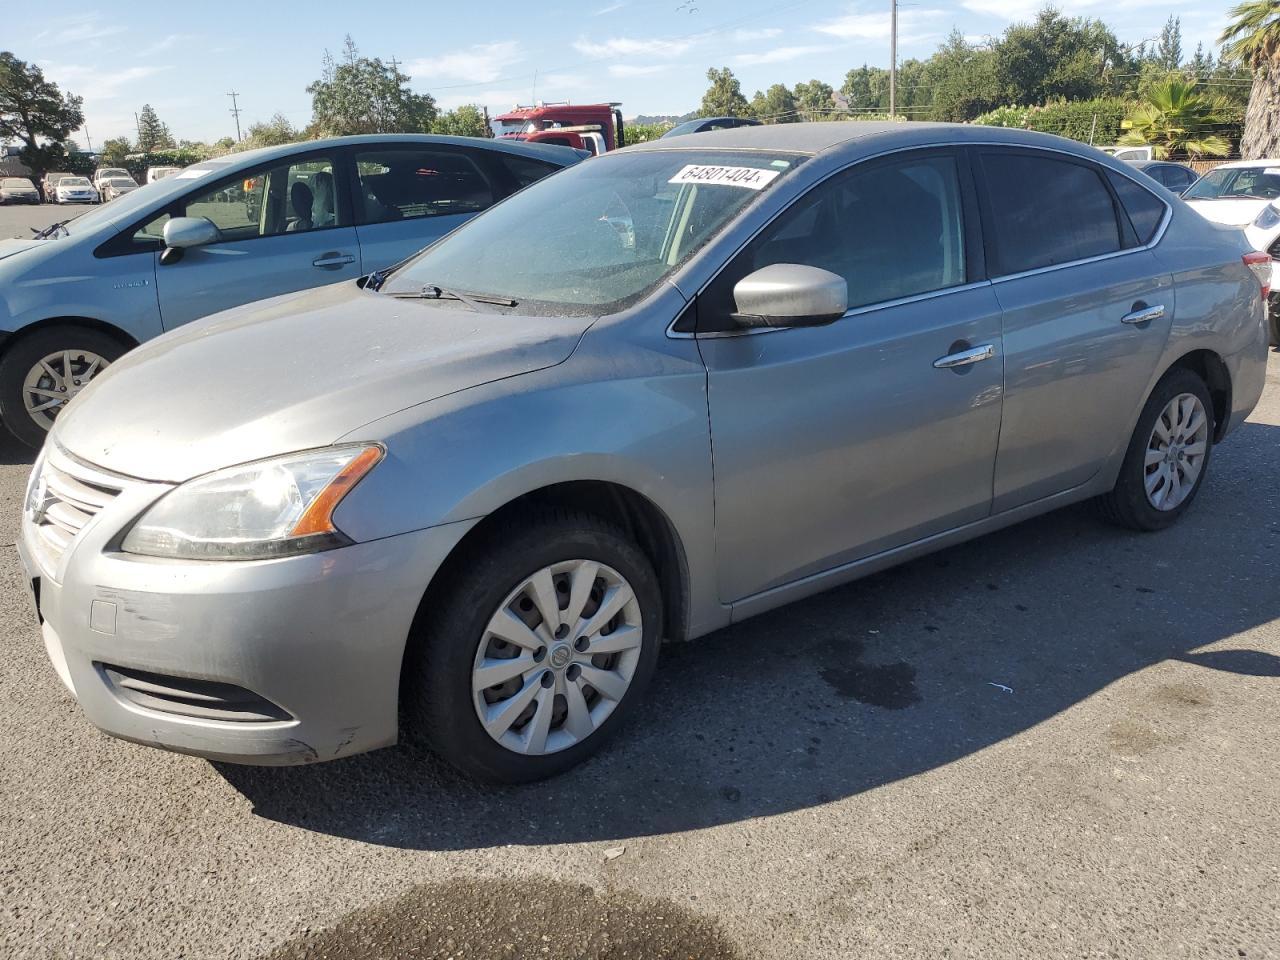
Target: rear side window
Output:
[(406, 184), (524, 171), (1145, 210), (1047, 211)]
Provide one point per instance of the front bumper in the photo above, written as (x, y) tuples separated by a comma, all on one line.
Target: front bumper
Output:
[(319, 636)]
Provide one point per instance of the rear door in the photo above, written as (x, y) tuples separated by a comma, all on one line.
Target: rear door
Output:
[(407, 196), (833, 443), (285, 226), (1087, 310)]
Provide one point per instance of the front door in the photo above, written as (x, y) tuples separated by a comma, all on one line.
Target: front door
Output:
[(285, 227), (835, 443)]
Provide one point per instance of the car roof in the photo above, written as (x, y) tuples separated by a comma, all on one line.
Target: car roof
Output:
[(1248, 163), (862, 137), (544, 151)]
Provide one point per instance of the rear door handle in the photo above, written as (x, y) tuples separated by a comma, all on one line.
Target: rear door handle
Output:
[(333, 259), (966, 357), (1144, 314)]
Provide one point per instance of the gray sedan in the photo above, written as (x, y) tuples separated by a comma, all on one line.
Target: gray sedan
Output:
[(461, 501)]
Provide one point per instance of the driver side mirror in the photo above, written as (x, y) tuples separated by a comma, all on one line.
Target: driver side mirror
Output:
[(181, 233), (790, 295)]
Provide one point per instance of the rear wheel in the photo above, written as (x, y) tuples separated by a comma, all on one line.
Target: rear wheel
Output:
[(1168, 455), (43, 371), (545, 638)]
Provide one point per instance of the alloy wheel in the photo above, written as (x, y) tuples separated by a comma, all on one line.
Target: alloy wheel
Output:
[(55, 380), (1176, 450), (557, 657)]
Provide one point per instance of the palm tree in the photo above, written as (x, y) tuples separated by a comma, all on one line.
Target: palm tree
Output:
[(1254, 38), (1178, 121)]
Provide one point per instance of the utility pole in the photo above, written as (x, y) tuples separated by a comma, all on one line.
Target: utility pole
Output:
[(137, 127), (87, 138), (893, 58), (235, 112)]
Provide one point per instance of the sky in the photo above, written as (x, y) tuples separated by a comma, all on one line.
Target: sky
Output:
[(651, 55)]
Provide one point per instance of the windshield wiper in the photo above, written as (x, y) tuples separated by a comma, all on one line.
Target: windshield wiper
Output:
[(51, 229), (475, 301)]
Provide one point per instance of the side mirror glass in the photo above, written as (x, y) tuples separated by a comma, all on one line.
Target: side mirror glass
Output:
[(181, 233), (790, 295)]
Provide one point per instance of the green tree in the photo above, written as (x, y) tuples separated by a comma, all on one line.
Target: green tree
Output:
[(961, 79), (466, 121), (724, 95), (36, 113), (362, 95), (271, 133), (1179, 121), (1168, 52), (114, 151), (1202, 64), (1253, 39), (866, 87), (813, 100), (775, 105), (152, 133), (1057, 58)]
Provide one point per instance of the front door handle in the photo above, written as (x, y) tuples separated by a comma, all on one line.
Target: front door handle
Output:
[(333, 259), (966, 357), (1144, 314)]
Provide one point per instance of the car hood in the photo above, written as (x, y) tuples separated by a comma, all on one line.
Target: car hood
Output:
[(292, 373), (9, 247), (1235, 213)]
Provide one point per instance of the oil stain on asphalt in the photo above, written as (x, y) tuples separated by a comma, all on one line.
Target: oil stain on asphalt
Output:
[(506, 920), (889, 685)]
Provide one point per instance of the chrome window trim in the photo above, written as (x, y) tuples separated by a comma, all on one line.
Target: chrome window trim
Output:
[(989, 281)]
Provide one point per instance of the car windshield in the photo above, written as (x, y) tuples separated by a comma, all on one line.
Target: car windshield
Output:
[(74, 182), (1261, 183), (599, 236), (132, 204), (14, 182)]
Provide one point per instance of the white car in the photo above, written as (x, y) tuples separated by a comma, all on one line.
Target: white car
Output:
[(117, 187), (1236, 193), (103, 174), (76, 190), (159, 173)]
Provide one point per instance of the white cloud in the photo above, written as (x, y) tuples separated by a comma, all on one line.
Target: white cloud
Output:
[(609, 9), (80, 29), (636, 69), (480, 63), (632, 47), (164, 43), (778, 55), (96, 84), (914, 25), (746, 36)]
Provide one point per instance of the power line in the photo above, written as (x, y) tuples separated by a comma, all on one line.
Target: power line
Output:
[(235, 111)]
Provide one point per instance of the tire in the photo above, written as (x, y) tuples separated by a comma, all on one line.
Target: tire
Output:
[(21, 359), (439, 709), (1129, 504)]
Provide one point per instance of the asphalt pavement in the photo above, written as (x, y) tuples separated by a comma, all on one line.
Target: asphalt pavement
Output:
[(1061, 740)]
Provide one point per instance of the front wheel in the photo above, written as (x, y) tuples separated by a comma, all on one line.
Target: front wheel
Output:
[(1168, 455), (545, 637), (44, 370)]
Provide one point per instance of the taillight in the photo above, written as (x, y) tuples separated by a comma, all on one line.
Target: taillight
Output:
[(1260, 263)]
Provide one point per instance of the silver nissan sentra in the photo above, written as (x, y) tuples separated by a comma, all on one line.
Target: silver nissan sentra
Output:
[(462, 501)]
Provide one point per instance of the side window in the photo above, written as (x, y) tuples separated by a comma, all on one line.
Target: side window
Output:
[(406, 184), (1184, 179), (151, 233), (524, 171), (1144, 209), (1047, 211), (891, 230)]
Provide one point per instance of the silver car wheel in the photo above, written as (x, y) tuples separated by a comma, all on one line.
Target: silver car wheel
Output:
[(55, 380), (557, 657), (1175, 451)]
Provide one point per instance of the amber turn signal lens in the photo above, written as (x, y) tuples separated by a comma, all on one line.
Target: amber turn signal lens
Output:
[(318, 517)]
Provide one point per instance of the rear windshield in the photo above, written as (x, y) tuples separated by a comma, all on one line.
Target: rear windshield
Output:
[(598, 236)]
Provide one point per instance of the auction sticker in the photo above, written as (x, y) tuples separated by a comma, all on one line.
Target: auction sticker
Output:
[(752, 178)]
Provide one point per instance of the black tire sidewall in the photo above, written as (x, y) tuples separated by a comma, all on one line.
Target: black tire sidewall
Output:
[(25, 353), (1130, 488), (441, 714)]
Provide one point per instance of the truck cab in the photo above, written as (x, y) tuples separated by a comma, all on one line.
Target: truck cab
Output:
[(595, 127)]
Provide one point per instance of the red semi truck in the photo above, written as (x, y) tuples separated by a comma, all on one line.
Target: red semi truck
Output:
[(592, 126)]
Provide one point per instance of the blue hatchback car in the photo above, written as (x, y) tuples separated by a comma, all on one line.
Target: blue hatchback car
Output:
[(229, 231)]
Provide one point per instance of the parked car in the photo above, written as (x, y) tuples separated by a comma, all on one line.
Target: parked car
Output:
[(49, 183), (1174, 176), (103, 174), (200, 242), (116, 187), (703, 124), (75, 190), (1235, 193), (18, 190), (653, 395), (159, 173), (1130, 153)]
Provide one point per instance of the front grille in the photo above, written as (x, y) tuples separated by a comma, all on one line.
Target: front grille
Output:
[(185, 697), (62, 505)]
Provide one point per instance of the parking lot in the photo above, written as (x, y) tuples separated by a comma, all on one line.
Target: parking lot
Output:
[(1059, 740)]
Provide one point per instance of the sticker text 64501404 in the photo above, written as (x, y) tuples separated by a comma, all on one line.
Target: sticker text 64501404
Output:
[(752, 178)]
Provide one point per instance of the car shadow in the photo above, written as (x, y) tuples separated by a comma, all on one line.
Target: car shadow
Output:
[(13, 453), (865, 685)]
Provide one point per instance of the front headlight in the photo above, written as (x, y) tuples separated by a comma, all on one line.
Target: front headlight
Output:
[(271, 508)]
